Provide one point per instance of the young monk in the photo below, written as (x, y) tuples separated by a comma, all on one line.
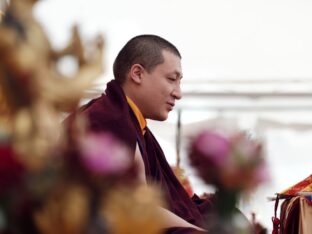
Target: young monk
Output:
[(148, 74)]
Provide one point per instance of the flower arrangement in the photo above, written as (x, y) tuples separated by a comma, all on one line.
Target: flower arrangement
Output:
[(233, 163), (79, 191)]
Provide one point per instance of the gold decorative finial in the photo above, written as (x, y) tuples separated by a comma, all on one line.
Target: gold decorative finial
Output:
[(1, 15), (3, 6)]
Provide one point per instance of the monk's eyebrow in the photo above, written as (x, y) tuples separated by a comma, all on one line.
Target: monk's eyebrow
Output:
[(177, 74)]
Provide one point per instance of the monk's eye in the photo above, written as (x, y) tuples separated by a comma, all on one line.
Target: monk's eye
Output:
[(171, 78)]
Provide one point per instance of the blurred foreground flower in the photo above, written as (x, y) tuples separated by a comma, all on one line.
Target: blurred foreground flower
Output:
[(235, 165), (66, 195), (104, 154), (233, 162)]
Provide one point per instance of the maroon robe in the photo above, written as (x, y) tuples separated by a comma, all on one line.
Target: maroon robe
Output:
[(111, 112)]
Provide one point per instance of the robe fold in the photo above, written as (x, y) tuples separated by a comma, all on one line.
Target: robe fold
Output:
[(111, 112)]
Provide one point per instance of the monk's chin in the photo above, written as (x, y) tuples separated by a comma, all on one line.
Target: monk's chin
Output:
[(160, 118)]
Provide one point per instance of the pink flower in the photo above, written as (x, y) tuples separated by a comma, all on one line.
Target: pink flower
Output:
[(233, 162), (103, 153), (262, 173), (213, 146)]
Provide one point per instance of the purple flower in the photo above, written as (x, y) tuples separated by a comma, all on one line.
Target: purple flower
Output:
[(103, 153)]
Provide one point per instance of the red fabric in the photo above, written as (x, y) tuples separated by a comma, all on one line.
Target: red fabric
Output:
[(303, 185), (275, 220), (276, 225), (289, 216)]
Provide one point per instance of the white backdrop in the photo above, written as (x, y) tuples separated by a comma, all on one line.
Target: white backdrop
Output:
[(217, 38)]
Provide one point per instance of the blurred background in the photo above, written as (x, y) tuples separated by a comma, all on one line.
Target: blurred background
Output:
[(246, 65)]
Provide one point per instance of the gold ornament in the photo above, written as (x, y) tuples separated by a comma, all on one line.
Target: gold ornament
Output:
[(33, 91), (65, 211), (135, 210)]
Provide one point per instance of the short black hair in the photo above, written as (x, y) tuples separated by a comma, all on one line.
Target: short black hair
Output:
[(143, 49)]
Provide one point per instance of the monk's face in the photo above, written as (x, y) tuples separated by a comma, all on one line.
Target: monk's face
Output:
[(161, 87)]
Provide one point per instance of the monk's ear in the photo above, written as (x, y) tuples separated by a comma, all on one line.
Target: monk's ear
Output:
[(136, 72)]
